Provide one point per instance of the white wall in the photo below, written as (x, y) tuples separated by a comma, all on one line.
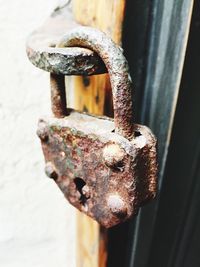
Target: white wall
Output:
[(37, 225)]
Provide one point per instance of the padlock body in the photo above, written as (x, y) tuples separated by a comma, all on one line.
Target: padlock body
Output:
[(99, 171)]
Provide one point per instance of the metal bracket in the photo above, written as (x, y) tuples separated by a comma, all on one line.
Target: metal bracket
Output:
[(42, 53)]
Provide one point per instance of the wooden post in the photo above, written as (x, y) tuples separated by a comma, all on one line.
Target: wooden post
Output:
[(93, 94)]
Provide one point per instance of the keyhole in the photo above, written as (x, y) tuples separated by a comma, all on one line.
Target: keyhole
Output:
[(80, 183)]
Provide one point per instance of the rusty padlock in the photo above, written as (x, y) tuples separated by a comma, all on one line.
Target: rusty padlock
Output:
[(106, 168)]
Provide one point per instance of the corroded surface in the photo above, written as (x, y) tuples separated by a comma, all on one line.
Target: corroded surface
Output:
[(107, 169), (78, 152), (117, 66), (42, 52)]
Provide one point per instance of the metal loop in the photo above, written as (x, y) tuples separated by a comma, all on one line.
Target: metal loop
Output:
[(117, 66)]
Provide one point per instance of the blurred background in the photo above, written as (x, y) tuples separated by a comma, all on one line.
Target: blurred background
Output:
[(37, 225)]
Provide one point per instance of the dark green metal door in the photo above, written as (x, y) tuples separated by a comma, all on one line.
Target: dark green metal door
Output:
[(162, 43)]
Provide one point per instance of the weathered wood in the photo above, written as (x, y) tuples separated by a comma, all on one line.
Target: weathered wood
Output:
[(87, 241), (105, 15), (93, 94), (90, 93), (90, 13)]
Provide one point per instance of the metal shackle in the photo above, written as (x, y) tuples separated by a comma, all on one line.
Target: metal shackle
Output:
[(117, 67)]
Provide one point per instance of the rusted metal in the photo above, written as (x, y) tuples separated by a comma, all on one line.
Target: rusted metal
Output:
[(117, 66), (105, 168), (58, 95), (80, 157), (42, 52)]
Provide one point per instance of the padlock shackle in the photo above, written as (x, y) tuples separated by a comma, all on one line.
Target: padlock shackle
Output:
[(117, 67)]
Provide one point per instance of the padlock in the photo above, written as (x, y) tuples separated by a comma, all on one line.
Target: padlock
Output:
[(106, 168)]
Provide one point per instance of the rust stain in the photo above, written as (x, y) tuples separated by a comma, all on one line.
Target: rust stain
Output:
[(99, 171)]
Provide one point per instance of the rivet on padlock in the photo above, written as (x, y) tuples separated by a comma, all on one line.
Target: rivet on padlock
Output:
[(105, 168)]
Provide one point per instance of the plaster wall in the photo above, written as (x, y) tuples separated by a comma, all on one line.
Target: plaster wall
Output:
[(37, 225)]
